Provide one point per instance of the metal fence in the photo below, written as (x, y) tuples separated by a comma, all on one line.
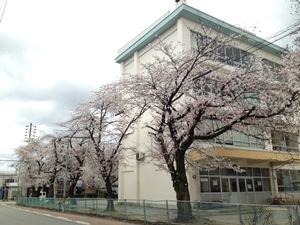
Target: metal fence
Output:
[(165, 212)]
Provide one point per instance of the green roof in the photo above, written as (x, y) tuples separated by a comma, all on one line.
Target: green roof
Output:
[(197, 16)]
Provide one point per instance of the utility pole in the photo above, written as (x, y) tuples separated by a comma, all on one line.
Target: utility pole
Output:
[(30, 131)]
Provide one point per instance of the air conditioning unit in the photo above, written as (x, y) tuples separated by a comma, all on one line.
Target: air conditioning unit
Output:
[(140, 156)]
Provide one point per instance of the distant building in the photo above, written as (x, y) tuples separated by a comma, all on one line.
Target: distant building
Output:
[(9, 188)]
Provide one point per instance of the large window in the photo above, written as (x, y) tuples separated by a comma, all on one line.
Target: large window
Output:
[(234, 56), (230, 55), (287, 180), (249, 138), (284, 141), (240, 139), (226, 180)]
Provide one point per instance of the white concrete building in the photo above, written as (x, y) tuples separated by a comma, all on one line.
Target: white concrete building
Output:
[(266, 174), (9, 185)]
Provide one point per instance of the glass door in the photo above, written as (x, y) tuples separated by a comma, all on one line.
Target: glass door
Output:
[(233, 192), (246, 190)]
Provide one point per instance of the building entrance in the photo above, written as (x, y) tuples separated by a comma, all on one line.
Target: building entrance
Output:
[(251, 186)]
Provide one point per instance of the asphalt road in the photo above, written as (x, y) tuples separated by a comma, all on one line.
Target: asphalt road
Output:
[(11, 214), (16, 216)]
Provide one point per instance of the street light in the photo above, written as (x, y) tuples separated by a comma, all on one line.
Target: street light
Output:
[(65, 178)]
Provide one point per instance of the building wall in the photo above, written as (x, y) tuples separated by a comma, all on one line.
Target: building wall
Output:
[(142, 179)]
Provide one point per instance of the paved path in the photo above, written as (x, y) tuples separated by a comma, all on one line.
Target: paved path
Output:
[(81, 219)]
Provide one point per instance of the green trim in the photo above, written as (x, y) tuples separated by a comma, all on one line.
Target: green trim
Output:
[(197, 16)]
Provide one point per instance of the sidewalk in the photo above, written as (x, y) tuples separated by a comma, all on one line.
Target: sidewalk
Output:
[(88, 220)]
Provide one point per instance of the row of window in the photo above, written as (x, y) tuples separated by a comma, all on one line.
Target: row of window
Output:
[(228, 180), (280, 141), (224, 184), (239, 139), (251, 180), (247, 171), (288, 142), (229, 55)]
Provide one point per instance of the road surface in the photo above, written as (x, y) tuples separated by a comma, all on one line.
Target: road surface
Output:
[(10, 214)]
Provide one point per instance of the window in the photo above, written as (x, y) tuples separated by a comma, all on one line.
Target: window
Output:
[(265, 172), (284, 141), (215, 184), (227, 172), (242, 185), (285, 180), (247, 172), (225, 185), (266, 184), (245, 57), (249, 184), (258, 184), (214, 172), (256, 172), (228, 55), (204, 184), (225, 138), (240, 139), (233, 185), (235, 57), (203, 172)]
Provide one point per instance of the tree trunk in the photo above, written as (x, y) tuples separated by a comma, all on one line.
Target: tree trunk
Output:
[(73, 186), (51, 191), (110, 196), (181, 187), (71, 189), (36, 193), (184, 208)]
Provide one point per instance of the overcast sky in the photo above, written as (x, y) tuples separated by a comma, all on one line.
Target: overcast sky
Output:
[(54, 53)]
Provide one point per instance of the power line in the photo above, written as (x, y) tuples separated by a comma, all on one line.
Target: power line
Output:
[(2, 8), (274, 36)]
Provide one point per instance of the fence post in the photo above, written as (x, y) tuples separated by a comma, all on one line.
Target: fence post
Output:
[(168, 214), (296, 211), (240, 214), (145, 219), (198, 213), (126, 212), (85, 206)]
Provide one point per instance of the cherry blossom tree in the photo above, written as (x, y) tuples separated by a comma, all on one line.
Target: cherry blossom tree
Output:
[(41, 161), (53, 162), (193, 99), (33, 166), (106, 120), (72, 161)]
